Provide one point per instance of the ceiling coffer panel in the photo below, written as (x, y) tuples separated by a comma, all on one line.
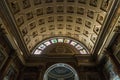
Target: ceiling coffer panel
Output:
[(40, 19)]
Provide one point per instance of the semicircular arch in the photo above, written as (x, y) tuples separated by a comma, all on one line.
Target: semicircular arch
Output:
[(61, 65), (82, 49)]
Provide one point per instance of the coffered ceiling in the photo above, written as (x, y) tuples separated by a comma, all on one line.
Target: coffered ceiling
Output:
[(36, 20)]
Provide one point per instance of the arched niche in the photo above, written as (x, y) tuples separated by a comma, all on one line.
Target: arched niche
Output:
[(60, 71)]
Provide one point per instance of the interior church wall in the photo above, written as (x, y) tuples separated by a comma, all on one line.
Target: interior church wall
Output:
[(109, 71), (84, 72), (113, 54), (9, 62), (90, 73), (29, 73)]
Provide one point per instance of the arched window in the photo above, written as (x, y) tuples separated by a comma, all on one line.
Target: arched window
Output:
[(82, 49)]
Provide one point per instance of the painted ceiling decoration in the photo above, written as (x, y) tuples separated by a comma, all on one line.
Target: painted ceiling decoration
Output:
[(37, 20)]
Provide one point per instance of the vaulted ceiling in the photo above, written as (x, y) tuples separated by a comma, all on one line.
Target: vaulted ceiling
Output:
[(37, 20)]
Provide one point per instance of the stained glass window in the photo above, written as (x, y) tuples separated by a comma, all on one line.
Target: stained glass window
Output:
[(76, 44)]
